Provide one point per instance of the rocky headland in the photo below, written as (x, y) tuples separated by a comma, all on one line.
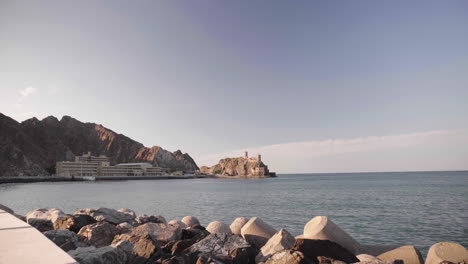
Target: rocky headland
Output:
[(33, 146), (104, 235), (239, 167)]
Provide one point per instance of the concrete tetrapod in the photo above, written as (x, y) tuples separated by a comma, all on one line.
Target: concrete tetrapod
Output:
[(320, 227), (257, 232), (237, 225), (447, 251), (409, 255)]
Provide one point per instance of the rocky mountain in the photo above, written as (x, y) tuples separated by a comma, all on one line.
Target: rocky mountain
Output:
[(33, 146), (239, 167)]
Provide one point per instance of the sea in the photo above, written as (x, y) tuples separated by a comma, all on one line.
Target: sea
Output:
[(389, 208)]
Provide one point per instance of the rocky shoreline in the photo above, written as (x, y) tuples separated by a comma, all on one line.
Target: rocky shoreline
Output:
[(105, 235)]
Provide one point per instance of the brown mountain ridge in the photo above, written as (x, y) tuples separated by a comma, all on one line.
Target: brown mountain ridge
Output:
[(33, 146)]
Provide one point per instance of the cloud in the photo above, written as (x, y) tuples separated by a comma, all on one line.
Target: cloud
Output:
[(28, 91), (357, 154)]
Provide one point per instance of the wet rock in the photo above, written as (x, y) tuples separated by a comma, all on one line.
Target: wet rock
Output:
[(74, 222), (448, 252), (143, 219), (313, 248), (257, 232), (190, 221), (65, 239), (409, 255), (159, 232), (99, 234), (196, 233), (220, 246), (279, 241), (217, 227), (115, 254), (106, 214), (288, 256), (237, 225), (42, 225), (53, 214), (144, 247)]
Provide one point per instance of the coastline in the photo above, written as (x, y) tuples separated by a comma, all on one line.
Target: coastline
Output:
[(32, 179)]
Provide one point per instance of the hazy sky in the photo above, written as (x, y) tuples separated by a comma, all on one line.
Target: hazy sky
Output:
[(315, 86)]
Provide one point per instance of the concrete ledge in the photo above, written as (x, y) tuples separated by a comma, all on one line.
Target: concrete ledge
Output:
[(22, 243)]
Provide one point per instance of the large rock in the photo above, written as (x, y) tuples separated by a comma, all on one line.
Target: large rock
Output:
[(74, 222), (177, 223), (190, 221), (369, 259), (99, 234), (159, 232), (320, 227), (41, 224), (279, 241), (257, 232), (224, 247), (115, 254), (237, 225), (107, 214), (65, 239), (53, 214), (143, 219), (288, 256), (313, 248), (446, 251), (144, 247), (409, 255), (217, 227), (195, 233)]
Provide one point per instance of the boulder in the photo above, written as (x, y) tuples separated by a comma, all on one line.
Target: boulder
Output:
[(222, 247), (446, 251), (159, 232), (41, 224), (190, 221), (368, 258), (313, 248), (128, 212), (144, 247), (143, 219), (257, 232), (124, 226), (195, 233), (115, 254), (181, 245), (320, 227), (177, 223), (6, 209), (74, 222), (53, 214), (409, 255), (237, 225), (65, 239), (288, 256), (99, 234), (217, 227), (109, 215), (279, 241)]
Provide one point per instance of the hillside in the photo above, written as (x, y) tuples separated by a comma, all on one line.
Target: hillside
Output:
[(33, 146)]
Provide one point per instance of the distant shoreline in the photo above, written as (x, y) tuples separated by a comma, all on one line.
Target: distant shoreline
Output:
[(32, 179)]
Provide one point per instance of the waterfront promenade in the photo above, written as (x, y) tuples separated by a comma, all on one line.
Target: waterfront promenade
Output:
[(22, 243)]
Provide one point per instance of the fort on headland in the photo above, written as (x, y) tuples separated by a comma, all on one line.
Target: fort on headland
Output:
[(244, 166)]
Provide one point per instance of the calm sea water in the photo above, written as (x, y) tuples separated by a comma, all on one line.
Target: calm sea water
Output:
[(416, 208)]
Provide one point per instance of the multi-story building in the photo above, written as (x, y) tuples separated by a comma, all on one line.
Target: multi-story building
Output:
[(88, 165)]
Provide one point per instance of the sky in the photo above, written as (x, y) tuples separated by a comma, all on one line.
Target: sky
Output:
[(314, 86)]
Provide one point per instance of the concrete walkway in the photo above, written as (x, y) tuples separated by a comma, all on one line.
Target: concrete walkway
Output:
[(22, 243)]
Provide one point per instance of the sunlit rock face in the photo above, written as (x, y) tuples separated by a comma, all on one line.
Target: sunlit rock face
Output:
[(33, 146)]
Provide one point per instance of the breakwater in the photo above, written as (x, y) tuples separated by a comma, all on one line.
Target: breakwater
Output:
[(105, 235)]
